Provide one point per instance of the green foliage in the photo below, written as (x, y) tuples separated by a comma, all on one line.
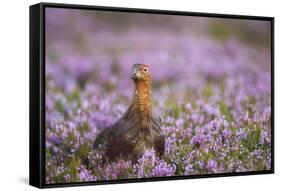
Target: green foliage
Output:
[(74, 97), (225, 111), (109, 86), (74, 168), (59, 106), (83, 152), (208, 90), (253, 138), (83, 128), (173, 108), (219, 30)]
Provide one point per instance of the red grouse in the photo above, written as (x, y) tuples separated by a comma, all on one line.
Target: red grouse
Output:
[(136, 131)]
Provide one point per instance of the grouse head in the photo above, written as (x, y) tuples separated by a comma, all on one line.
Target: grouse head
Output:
[(141, 72)]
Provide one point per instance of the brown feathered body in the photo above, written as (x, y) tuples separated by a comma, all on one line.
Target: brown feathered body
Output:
[(136, 131)]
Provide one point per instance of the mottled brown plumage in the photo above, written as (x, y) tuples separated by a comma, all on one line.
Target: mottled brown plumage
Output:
[(136, 131)]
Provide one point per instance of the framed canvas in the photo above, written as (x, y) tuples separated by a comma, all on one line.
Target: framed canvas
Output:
[(121, 95)]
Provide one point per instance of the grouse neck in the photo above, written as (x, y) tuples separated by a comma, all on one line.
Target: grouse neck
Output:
[(142, 98)]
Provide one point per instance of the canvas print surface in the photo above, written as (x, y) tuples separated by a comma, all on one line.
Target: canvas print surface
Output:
[(138, 95)]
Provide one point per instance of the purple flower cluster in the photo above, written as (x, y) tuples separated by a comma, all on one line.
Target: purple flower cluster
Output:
[(211, 92), (86, 175)]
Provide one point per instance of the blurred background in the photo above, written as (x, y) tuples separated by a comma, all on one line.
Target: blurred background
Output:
[(186, 54)]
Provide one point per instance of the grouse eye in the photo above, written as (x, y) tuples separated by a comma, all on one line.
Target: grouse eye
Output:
[(145, 70)]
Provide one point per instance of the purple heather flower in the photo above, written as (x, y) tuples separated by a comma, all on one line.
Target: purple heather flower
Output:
[(163, 169), (188, 106), (212, 165), (226, 133), (86, 175), (179, 122), (198, 140)]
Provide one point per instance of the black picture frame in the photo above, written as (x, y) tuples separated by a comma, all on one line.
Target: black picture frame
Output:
[(37, 93)]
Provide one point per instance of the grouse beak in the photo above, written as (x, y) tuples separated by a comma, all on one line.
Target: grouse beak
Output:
[(135, 73)]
